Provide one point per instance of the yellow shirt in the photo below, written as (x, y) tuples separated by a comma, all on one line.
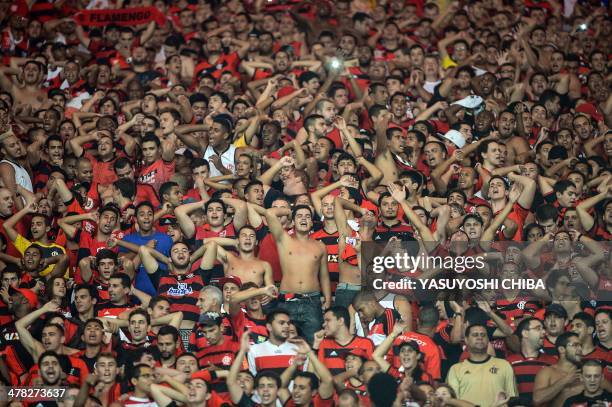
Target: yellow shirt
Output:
[(480, 383), (49, 250)]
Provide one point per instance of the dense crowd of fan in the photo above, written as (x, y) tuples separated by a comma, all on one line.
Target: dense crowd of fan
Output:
[(186, 197)]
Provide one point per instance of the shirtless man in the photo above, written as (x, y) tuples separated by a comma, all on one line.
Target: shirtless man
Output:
[(554, 384), (518, 148), (12, 170), (390, 146), (31, 92), (246, 265), (304, 266)]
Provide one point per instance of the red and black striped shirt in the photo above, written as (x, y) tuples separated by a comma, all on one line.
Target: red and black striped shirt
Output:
[(332, 354), (525, 370), (182, 292)]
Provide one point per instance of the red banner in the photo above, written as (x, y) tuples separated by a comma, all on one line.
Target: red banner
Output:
[(128, 17)]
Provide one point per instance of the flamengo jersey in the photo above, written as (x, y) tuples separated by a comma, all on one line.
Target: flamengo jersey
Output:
[(182, 293), (267, 356), (157, 173), (427, 346), (331, 352), (330, 240), (526, 369)]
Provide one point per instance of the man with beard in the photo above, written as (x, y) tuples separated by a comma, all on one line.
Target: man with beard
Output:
[(168, 344), (275, 353), (12, 167), (518, 148), (50, 369), (39, 229), (555, 383), (303, 260), (389, 225), (530, 360), (481, 378), (175, 281), (246, 266), (33, 73), (267, 383)]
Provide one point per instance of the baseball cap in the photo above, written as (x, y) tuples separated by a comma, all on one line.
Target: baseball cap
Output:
[(203, 375), (470, 102), (556, 309), (411, 344), (359, 352), (455, 137), (28, 295), (220, 282), (210, 319)]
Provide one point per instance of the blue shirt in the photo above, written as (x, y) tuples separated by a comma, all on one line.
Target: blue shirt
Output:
[(164, 243)]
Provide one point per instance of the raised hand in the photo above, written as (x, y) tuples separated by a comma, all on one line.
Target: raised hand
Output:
[(398, 193)]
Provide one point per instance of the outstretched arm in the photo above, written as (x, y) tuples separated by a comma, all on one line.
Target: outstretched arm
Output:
[(33, 347)]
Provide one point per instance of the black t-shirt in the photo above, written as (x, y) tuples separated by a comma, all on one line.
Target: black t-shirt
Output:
[(580, 400)]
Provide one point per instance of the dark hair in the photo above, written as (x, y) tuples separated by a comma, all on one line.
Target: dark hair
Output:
[(252, 184), (143, 204), (268, 374), (165, 188), (140, 311), (341, 312), (169, 330), (46, 354), (125, 279), (468, 330), (563, 339), (212, 201), (272, 315), (106, 254), (588, 320), (562, 185), (300, 207), (314, 380), (524, 326)]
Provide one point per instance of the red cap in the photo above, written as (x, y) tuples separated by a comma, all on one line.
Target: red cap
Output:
[(591, 110), (28, 295), (220, 282), (202, 374), (284, 91)]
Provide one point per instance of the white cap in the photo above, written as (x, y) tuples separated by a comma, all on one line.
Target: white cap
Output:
[(469, 102), (455, 137)]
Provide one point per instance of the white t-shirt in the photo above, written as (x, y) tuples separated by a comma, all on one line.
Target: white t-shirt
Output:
[(227, 160)]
